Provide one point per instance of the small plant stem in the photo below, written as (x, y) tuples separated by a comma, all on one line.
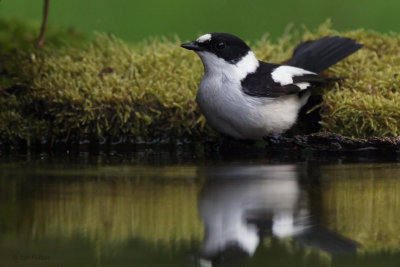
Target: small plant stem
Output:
[(42, 36)]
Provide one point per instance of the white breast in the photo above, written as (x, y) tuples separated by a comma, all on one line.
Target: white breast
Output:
[(234, 113)]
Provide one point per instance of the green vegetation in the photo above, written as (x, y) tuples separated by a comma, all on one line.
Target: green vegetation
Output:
[(146, 91), (106, 89), (17, 34), (137, 20), (366, 104)]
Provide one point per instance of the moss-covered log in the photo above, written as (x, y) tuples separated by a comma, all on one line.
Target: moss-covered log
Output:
[(144, 92)]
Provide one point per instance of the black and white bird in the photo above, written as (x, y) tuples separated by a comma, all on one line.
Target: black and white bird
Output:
[(246, 98)]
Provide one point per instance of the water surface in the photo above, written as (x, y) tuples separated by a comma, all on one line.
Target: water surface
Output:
[(118, 212)]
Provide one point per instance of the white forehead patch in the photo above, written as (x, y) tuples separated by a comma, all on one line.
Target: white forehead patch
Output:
[(204, 38)]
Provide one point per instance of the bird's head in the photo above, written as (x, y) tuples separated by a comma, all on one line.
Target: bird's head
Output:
[(220, 49)]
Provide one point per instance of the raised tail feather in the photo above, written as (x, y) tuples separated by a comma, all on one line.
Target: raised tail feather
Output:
[(318, 55)]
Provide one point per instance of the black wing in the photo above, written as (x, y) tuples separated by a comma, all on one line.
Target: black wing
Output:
[(261, 84), (318, 55)]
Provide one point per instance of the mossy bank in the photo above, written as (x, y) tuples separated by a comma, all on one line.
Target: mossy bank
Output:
[(107, 89)]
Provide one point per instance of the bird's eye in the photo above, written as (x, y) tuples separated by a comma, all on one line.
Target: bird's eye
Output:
[(220, 45)]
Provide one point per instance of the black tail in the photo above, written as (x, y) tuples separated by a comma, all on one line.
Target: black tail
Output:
[(328, 241), (320, 54)]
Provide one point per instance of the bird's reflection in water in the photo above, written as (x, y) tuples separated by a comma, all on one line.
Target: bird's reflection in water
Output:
[(241, 205)]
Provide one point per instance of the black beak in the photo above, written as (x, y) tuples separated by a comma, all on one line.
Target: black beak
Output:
[(192, 46)]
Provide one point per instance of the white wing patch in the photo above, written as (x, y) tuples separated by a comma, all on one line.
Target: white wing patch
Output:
[(283, 225), (284, 75), (303, 85), (204, 38)]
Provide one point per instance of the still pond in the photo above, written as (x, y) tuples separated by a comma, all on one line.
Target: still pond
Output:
[(127, 211)]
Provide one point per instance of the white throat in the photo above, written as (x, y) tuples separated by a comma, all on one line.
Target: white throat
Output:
[(214, 65)]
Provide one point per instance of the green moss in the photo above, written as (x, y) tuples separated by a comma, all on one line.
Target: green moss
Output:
[(147, 90), (366, 103)]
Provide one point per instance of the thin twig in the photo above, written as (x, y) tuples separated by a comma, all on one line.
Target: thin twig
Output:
[(42, 36)]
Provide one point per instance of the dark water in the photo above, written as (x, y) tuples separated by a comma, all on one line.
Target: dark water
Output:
[(122, 211)]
